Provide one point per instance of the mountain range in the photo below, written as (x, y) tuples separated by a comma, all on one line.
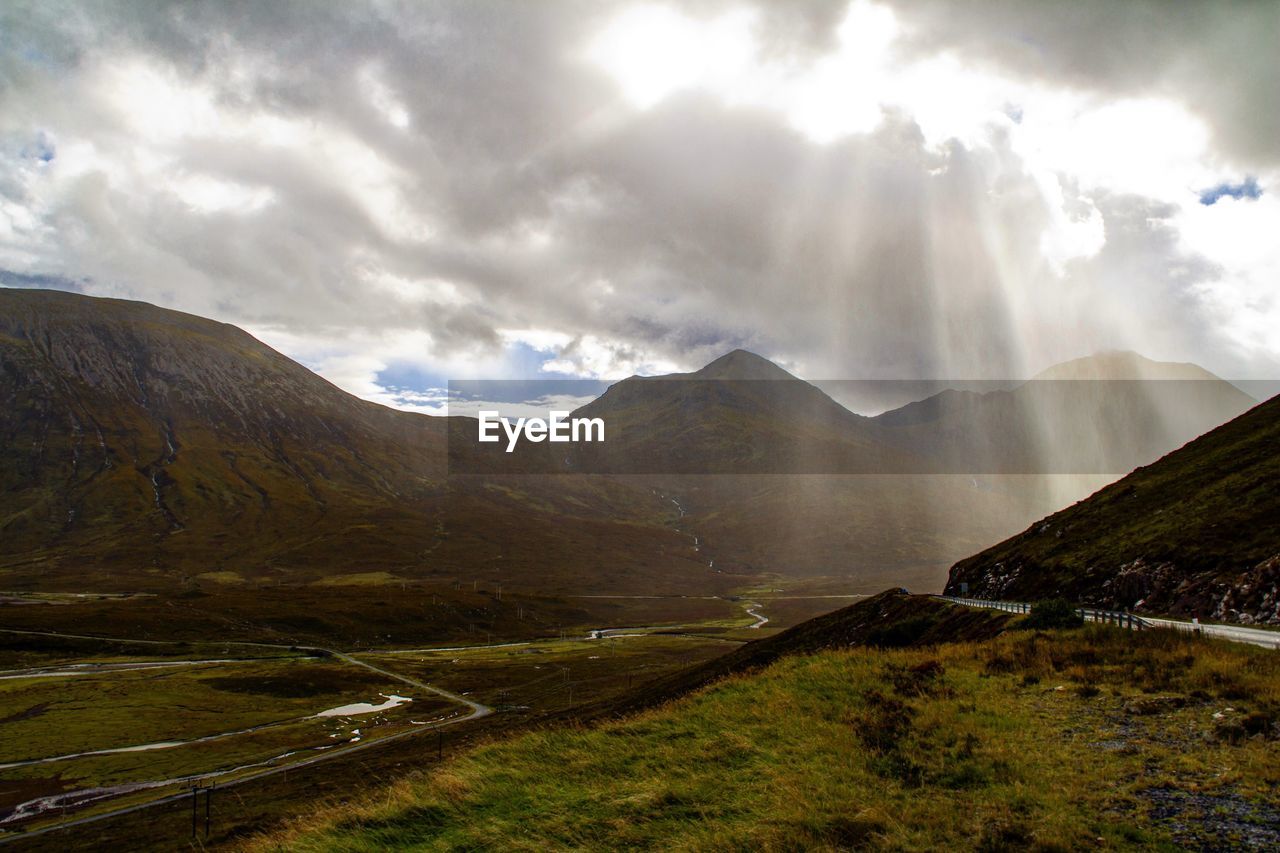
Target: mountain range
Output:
[(148, 450)]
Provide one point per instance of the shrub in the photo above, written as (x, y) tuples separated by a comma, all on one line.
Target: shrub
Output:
[(1053, 613)]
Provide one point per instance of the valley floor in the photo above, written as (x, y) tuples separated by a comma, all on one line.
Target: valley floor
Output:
[(93, 728)]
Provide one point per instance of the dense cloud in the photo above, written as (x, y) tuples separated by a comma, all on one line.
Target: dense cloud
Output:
[(489, 188), (1216, 56)]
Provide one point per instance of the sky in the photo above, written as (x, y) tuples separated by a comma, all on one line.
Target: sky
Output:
[(403, 194)]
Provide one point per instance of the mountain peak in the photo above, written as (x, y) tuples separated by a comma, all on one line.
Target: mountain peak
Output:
[(742, 364), (1123, 364)]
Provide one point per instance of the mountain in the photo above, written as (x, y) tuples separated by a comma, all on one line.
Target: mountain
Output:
[(143, 449), (1105, 414), (741, 414), (744, 365), (1112, 365), (759, 461), (1193, 534), (769, 474)]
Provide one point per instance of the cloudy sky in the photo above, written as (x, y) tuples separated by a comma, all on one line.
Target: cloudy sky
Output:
[(398, 194)]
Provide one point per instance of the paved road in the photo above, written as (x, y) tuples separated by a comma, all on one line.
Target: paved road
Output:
[(753, 610), (477, 710), (72, 670), (1235, 633)]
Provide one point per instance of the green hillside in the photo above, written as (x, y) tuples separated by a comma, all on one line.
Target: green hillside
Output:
[(1194, 533)]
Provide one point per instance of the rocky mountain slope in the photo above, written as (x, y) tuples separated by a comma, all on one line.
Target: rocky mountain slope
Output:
[(1193, 534)]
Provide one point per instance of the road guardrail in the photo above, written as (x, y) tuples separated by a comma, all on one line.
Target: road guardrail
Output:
[(1235, 633)]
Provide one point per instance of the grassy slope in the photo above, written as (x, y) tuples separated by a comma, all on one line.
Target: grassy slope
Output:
[(1206, 510), (1023, 741)]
